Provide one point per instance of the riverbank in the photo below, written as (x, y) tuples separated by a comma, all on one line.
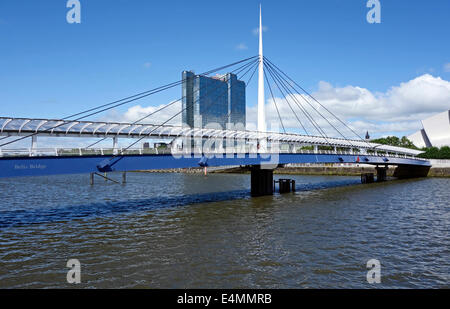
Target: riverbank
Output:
[(304, 170), (195, 170), (336, 171)]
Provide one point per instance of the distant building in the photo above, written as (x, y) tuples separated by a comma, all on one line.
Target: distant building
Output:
[(367, 135), (207, 100), (435, 132), (161, 145)]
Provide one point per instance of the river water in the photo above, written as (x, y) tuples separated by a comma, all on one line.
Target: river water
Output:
[(191, 231)]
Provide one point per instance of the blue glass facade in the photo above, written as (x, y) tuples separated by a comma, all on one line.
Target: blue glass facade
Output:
[(213, 101)]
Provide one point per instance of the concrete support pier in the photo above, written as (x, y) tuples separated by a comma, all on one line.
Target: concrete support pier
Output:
[(261, 181), (381, 173), (367, 178)]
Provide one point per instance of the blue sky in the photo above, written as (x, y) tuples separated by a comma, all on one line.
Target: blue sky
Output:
[(49, 68)]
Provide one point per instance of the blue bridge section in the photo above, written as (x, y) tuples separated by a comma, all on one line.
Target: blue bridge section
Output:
[(40, 166)]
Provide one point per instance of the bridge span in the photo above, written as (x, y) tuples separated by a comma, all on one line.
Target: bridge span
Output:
[(281, 149), (261, 164), (10, 127), (193, 146)]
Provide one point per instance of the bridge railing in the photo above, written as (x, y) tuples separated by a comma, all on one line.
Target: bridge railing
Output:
[(39, 152), (58, 152)]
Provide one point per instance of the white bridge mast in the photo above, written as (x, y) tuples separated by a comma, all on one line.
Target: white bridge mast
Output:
[(261, 109)]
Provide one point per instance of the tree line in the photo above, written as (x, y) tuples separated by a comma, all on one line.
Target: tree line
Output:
[(429, 153)]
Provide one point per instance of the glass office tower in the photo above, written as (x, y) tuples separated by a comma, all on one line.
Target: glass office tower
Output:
[(213, 101)]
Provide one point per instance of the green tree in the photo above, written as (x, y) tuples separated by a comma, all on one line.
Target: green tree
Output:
[(395, 141), (429, 153), (445, 152)]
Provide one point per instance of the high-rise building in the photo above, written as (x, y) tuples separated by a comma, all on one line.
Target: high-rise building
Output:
[(213, 101)]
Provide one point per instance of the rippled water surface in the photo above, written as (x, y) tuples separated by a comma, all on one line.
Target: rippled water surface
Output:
[(188, 231)]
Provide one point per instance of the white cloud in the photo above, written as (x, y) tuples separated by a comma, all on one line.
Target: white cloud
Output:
[(399, 110), (241, 46), (447, 67), (137, 112), (396, 111)]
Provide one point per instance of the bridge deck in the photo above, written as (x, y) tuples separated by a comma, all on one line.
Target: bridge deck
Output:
[(51, 165)]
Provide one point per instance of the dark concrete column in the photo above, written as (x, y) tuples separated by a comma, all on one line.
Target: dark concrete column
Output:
[(367, 178), (261, 181), (381, 173)]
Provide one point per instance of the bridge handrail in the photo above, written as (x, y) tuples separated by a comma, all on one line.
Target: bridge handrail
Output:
[(56, 151), (10, 126)]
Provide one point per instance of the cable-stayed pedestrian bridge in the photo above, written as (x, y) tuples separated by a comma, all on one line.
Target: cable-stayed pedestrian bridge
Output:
[(227, 147), (320, 136)]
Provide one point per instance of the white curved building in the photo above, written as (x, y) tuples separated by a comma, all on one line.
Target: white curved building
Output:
[(435, 132)]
